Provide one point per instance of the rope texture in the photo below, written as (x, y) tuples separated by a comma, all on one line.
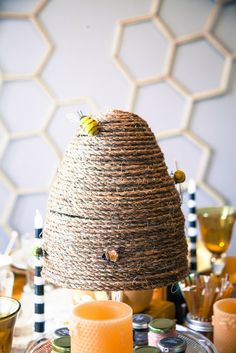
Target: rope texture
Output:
[(113, 190)]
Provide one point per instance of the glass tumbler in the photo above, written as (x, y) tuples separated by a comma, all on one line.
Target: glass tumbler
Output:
[(9, 309)]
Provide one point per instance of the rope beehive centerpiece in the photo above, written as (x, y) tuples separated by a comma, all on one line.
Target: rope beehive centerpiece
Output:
[(114, 220)]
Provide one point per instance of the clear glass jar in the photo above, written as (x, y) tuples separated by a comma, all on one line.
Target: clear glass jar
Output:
[(172, 345), (140, 329), (160, 328), (61, 332), (203, 327)]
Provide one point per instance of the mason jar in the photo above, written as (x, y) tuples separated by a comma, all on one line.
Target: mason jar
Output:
[(172, 345), (203, 327), (140, 329), (160, 328)]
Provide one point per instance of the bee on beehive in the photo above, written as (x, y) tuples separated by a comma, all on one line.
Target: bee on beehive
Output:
[(88, 124)]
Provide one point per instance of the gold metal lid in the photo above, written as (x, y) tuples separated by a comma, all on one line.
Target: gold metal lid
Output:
[(161, 325)]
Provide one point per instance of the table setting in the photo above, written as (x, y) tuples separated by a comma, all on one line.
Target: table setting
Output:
[(112, 242)]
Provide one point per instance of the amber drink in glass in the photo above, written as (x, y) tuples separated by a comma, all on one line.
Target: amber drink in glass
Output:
[(216, 226), (9, 309)]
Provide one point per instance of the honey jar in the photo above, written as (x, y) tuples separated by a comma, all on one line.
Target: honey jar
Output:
[(160, 328)]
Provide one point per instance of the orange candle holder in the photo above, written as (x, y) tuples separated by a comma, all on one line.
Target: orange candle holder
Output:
[(224, 323), (101, 327)]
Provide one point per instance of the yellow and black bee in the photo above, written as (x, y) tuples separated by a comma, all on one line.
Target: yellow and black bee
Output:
[(38, 252), (89, 125)]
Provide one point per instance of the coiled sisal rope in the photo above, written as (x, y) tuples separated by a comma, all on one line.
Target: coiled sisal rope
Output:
[(114, 220)]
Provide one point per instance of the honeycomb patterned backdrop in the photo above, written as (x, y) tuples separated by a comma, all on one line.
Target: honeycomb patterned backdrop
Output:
[(172, 61)]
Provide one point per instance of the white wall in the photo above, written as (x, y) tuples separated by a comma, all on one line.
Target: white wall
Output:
[(58, 59)]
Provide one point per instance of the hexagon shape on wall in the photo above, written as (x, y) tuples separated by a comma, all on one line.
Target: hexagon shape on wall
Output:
[(174, 150), (23, 221), (192, 69), (221, 117), (138, 51), (202, 199), (30, 113), (1, 78), (4, 239), (25, 164), (153, 103), (187, 17), (4, 137), (25, 6), (21, 37), (4, 195), (225, 28)]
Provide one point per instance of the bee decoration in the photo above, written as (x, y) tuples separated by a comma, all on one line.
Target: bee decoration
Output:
[(89, 125), (39, 252), (111, 254), (179, 176)]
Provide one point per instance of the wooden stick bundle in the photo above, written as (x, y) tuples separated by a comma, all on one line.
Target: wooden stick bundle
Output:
[(201, 292)]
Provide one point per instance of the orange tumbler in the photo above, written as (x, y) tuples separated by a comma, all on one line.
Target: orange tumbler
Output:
[(224, 323), (101, 327)]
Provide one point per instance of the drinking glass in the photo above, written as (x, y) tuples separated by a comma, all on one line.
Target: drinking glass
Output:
[(9, 309), (216, 226)]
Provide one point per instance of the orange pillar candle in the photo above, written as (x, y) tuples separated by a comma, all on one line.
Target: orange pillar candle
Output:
[(224, 323), (101, 327)]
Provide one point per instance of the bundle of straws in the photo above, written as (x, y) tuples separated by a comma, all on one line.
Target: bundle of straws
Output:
[(201, 292)]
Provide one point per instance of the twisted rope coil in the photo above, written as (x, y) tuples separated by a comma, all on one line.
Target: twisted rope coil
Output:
[(113, 190)]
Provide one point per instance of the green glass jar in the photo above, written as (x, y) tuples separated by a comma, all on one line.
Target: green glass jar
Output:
[(146, 349), (61, 345), (160, 328)]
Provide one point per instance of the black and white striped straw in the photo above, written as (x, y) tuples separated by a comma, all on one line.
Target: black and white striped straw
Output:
[(192, 225), (39, 317)]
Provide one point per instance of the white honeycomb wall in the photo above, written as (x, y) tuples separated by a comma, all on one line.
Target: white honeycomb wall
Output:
[(170, 61)]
